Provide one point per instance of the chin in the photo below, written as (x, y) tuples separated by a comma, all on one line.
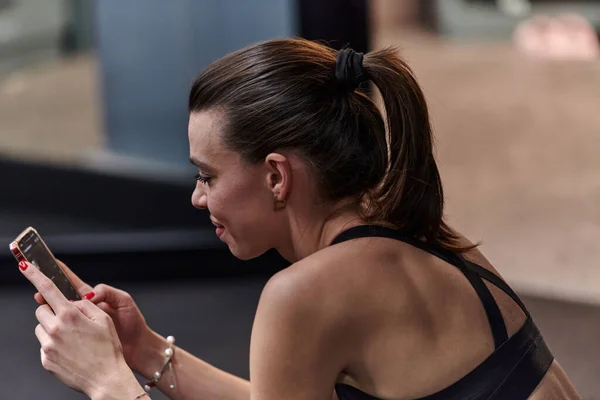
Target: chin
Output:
[(245, 253)]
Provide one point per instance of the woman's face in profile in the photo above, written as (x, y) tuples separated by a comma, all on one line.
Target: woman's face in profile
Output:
[(236, 194)]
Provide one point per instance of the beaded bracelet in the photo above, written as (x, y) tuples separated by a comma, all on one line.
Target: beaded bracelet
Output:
[(167, 362)]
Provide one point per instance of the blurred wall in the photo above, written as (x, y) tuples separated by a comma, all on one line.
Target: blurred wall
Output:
[(151, 50), (30, 30), (388, 13)]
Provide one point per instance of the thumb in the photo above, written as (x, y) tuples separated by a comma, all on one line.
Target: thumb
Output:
[(89, 309), (107, 309), (114, 297)]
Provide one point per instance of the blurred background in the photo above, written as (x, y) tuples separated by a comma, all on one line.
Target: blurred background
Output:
[(93, 153)]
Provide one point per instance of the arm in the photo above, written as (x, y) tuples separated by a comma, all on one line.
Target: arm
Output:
[(144, 354), (298, 348), (195, 379), (299, 344)]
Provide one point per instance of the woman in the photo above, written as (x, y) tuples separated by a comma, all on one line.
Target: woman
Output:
[(383, 299)]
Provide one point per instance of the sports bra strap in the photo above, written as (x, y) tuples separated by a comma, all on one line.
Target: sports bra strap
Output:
[(494, 315), (498, 282), (473, 272)]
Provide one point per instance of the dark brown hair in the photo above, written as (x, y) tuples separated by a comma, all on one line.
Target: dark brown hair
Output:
[(283, 94)]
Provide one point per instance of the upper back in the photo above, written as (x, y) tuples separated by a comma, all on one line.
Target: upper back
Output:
[(417, 325)]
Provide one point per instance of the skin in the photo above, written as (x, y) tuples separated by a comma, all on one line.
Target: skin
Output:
[(79, 343), (373, 313), (564, 37), (322, 335)]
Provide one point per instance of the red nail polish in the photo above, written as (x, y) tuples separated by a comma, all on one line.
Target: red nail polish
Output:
[(23, 265), (89, 296)]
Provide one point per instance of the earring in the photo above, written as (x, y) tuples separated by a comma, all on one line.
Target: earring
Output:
[(278, 204)]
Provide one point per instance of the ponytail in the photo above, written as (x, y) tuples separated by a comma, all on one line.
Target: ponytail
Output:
[(301, 95), (410, 196)]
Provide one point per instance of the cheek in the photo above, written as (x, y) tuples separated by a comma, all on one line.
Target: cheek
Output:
[(215, 201), (226, 202), (236, 204)]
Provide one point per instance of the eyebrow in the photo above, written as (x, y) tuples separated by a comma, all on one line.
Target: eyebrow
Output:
[(200, 164)]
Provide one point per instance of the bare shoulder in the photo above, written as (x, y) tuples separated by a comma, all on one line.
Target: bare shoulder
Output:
[(308, 283), (335, 282), (330, 267), (299, 319), (305, 328)]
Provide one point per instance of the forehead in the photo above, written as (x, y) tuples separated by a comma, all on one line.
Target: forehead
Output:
[(204, 131)]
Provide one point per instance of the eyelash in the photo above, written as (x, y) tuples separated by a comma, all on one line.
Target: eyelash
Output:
[(203, 179)]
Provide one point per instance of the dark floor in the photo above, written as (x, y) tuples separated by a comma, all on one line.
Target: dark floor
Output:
[(213, 320)]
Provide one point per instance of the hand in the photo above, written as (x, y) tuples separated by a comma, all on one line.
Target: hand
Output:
[(127, 318), (565, 37), (79, 343)]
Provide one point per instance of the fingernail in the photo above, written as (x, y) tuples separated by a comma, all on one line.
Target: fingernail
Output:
[(89, 296), (23, 265)]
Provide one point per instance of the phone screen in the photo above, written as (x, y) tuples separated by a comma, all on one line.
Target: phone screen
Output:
[(38, 254)]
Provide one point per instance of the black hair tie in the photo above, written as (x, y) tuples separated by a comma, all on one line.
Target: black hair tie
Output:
[(349, 70)]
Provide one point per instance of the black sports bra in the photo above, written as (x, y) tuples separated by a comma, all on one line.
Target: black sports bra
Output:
[(518, 363)]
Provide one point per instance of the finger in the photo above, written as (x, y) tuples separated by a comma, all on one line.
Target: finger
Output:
[(44, 285), (90, 310), (46, 363), (106, 308), (541, 22), (530, 35), (582, 34), (45, 317), (39, 298), (43, 337), (81, 286), (108, 294), (573, 20), (45, 346)]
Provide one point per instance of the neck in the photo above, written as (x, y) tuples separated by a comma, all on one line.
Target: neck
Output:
[(309, 235)]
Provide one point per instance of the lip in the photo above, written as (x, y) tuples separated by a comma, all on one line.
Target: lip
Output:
[(220, 229), (216, 224)]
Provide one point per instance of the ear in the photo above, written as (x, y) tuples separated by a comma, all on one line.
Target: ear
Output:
[(279, 175)]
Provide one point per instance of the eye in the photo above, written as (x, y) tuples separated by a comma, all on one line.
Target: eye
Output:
[(203, 179)]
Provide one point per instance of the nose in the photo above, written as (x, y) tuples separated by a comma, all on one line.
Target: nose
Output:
[(199, 199)]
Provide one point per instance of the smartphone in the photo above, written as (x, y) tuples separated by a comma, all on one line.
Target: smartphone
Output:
[(30, 247)]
